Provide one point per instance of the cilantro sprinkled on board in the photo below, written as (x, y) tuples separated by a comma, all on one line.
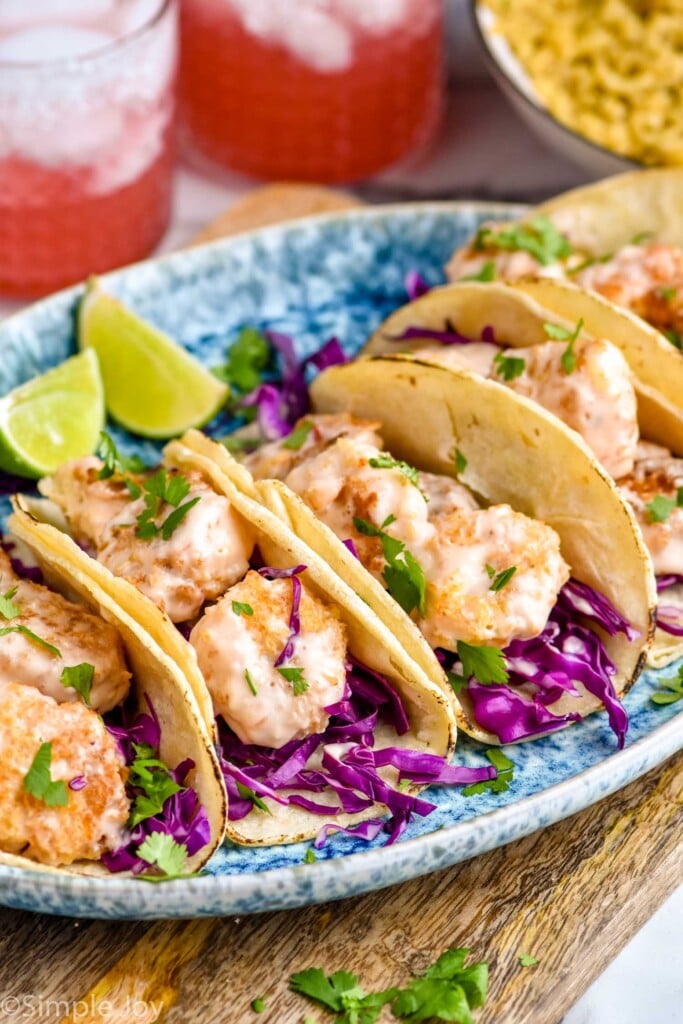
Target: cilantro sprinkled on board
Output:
[(527, 960), (79, 678), (39, 783), (486, 664), (258, 1005), (403, 574)]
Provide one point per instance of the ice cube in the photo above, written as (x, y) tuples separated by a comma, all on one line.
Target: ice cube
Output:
[(20, 14), (51, 42), (318, 40), (377, 17)]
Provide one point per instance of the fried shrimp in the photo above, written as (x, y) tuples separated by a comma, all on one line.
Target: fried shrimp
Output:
[(652, 491), (310, 436), (78, 634), (353, 480), (592, 393), (93, 819), (206, 553), (88, 503), (493, 576), (238, 641)]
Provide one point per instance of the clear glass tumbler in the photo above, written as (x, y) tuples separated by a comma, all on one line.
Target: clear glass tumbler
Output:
[(86, 148), (322, 90)]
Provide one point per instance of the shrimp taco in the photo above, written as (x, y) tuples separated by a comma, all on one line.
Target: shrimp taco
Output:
[(106, 764), (323, 718), (621, 237), (602, 371), (506, 548)]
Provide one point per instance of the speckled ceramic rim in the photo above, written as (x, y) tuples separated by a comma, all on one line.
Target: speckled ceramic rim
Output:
[(629, 163), (339, 877)]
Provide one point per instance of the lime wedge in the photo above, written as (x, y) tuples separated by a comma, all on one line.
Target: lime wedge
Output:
[(52, 418), (152, 385)]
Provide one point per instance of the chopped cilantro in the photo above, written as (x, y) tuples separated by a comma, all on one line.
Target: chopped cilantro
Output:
[(114, 462), (247, 793), (152, 783), (505, 769), (661, 507), (250, 682), (298, 436), (242, 608), (258, 1005), (641, 237), (458, 682), (79, 678), (447, 991), (486, 664), (487, 273), (169, 488), (674, 337), (558, 333), (386, 461), (527, 960), (310, 857), (670, 690), (403, 574), (501, 579), (247, 358), (668, 294), (295, 676), (38, 782), (509, 367), (459, 461), (539, 237), (32, 636), (234, 443), (162, 851), (9, 609)]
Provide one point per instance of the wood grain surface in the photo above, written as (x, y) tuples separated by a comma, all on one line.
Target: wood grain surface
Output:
[(571, 895)]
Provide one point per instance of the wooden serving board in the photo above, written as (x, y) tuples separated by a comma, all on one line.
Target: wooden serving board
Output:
[(571, 895)]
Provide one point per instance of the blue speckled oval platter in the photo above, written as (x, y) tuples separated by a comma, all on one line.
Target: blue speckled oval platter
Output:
[(334, 275)]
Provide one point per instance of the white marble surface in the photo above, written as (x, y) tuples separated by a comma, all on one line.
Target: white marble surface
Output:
[(486, 152)]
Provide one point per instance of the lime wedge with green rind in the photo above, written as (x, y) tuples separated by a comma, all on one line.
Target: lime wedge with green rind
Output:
[(52, 418), (152, 385)]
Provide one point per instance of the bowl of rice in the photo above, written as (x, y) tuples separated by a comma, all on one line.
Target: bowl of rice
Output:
[(600, 81)]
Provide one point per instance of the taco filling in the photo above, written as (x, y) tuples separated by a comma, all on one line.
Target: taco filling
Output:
[(487, 586), (76, 786)]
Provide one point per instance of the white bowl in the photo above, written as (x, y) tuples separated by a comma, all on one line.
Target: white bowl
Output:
[(518, 88)]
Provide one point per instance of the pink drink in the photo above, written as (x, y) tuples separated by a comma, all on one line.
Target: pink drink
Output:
[(86, 108), (326, 90)]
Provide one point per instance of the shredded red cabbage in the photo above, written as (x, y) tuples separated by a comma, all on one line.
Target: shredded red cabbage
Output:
[(667, 582), (670, 619), (450, 335), (11, 484), (268, 572), (346, 765), (32, 573), (182, 816), (267, 399), (546, 667), (78, 783), (350, 546), (415, 285)]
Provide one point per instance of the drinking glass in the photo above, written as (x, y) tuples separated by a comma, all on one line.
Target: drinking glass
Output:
[(86, 114)]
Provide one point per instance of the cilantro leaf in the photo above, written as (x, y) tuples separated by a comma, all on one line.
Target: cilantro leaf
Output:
[(458, 682), (310, 857), (661, 507), (162, 851), (79, 678), (670, 690), (459, 461), (298, 436), (527, 960), (509, 367), (487, 273), (114, 462), (39, 783), (295, 676), (502, 578), (668, 294), (152, 783), (505, 769), (386, 461), (559, 333), (341, 994), (674, 337), (539, 237), (403, 574), (258, 1005), (486, 664), (242, 608), (9, 609), (176, 517), (169, 488), (247, 793), (250, 682), (32, 636), (314, 984), (246, 360)]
